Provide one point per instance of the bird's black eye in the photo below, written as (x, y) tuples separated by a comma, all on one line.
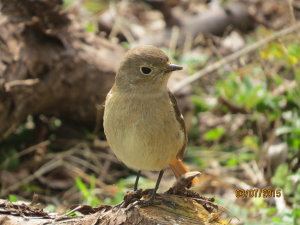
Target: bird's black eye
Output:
[(146, 70)]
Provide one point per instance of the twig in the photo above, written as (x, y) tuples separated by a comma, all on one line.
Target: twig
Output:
[(250, 172), (106, 166), (229, 221), (173, 41), (78, 172), (286, 85), (264, 151), (188, 43), (119, 24), (20, 83), (89, 154), (83, 163), (291, 8), (238, 183), (218, 53), (44, 169), (68, 213), (233, 56), (99, 116), (25, 151), (261, 180), (9, 130)]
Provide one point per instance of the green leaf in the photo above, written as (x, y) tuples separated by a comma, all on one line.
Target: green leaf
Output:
[(273, 116), (31, 188), (232, 162), (276, 219), (294, 50), (252, 142), (272, 210), (50, 208), (57, 122), (93, 6), (292, 60), (214, 134), (93, 182), (82, 187), (95, 202), (90, 27), (288, 188), (293, 142), (259, 202), (13, 198), (280, 177), (200, 104), (296, 212), (119, 195), (277, 79), (247, 156), (11, 155), (257, 70), (297, 76), (67, 3), (248, 84), (283, 130), (75, 214), (276, 50), (194, 59)]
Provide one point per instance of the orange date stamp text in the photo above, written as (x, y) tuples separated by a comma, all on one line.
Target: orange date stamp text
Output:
[(255, 193)]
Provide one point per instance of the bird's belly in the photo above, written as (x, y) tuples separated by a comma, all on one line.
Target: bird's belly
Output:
[(141, 154), (142, 151), (145, 141)]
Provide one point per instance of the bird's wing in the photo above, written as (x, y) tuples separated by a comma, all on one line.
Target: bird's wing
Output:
[(180, 120)]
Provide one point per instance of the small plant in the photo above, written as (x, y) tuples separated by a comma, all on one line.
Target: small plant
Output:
[(13, 198), (88, 194)]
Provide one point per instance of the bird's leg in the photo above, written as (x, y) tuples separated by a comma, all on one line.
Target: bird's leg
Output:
[(136, 181), (150, 201), (133, 189)]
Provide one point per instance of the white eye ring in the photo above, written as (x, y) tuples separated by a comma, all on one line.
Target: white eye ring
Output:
[(145, 70)]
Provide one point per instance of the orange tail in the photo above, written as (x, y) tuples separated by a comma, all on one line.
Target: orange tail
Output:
[(179, 169)]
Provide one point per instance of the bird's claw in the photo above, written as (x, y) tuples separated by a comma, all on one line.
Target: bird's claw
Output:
[(143, 203), (125, 202), (117, 205)]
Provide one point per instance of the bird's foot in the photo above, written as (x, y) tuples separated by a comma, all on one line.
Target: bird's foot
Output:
[(118, 205), (130, 197), (144, 203)]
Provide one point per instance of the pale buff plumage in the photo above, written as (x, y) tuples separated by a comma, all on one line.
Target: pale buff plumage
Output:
[(143, 134), (142, 122)]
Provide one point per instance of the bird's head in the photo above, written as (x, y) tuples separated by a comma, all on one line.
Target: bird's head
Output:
[(144, 69)]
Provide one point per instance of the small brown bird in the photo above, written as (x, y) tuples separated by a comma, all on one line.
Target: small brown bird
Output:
[(142, 122)]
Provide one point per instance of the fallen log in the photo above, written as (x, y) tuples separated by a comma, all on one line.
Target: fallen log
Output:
[(49, 65), (177, 206)]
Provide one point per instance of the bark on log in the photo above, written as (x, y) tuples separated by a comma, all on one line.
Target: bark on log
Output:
[(181, 208), (178, 205)]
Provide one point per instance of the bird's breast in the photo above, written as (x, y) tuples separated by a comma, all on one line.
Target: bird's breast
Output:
[(143, 132)]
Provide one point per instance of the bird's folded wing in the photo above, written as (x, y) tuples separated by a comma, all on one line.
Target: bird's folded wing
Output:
[(180, 120)]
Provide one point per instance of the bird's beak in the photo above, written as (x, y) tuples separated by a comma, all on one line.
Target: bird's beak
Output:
[(173, 67)]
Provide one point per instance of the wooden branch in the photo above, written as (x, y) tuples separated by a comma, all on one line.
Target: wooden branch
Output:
[(181, 208)]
